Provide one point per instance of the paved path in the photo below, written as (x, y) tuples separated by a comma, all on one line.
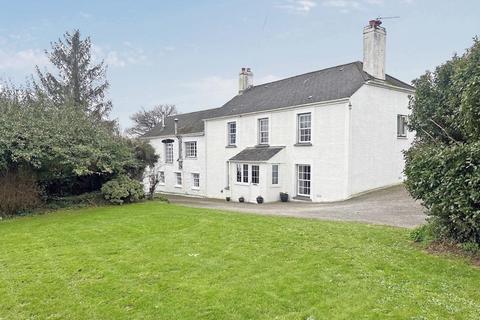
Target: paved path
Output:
[(392, 206)]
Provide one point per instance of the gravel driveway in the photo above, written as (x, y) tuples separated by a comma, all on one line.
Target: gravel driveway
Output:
[(391, 206)]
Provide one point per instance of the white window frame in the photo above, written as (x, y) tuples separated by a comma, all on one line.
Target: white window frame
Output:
[(169, 152), (302, 182), (252, 173), (303, 128), (191, 149), (402, 126), (161, 177), (275, 174), (242, 172), (238, 173), (178, 178), (231, 134), (263, 130), (195, 180), (245, 177)]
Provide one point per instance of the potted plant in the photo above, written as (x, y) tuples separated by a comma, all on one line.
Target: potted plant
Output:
[(241, 199), (259, 199), (284, 196)]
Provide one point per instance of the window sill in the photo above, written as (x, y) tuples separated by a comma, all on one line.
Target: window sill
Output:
[(178, 186), (402, 137), (262, 145), (302, 198), (231, 146), (196, 188), (190, 158), (242, 183), (303, 144)]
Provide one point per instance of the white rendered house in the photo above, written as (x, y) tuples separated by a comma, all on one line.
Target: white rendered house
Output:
[(321, 136)]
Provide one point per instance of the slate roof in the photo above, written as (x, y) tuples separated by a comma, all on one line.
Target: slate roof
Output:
[(259, 153), (191, 122), (327, 84)]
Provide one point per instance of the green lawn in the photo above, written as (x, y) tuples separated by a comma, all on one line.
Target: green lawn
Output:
[(160, 261)]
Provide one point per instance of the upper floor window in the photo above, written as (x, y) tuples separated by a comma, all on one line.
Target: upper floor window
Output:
[(232, 133), (169, 152), (304, 124), (274, 173), (401, 126), (191, 149), (263, 131)]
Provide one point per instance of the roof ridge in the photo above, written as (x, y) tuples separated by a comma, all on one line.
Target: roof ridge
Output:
[(303, 74), (192, 112)]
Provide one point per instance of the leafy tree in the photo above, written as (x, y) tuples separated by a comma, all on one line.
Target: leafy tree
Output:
[(443, 165), (58, 142), (78, 80), (145, 120)]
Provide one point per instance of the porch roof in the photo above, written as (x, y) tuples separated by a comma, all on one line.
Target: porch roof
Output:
[(258, 153)]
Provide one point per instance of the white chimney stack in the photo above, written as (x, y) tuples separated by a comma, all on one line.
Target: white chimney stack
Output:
[(245, 80), (374, 44)]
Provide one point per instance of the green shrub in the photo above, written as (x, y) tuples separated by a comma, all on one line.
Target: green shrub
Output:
[(471, 248), (447, 180), (122, 190)]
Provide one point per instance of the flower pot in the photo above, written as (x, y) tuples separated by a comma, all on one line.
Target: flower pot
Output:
[(227, 198), (241, 199), (259, 199), (284, 196)]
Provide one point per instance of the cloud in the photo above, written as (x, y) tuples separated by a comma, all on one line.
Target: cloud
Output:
[(127, 55), (298, 6), (22, 59), (345, 4)]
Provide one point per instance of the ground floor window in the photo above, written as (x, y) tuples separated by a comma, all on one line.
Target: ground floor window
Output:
[(303, 180), (245, 173), (196, 180), (239, 173), (274, 173), (161, 177), (255, 174), (178, 176)]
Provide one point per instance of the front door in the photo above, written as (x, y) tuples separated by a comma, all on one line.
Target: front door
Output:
[(303, 180)]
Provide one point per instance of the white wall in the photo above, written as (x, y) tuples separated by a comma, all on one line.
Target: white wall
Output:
[(190, 165), (327, 155), (376, 158)]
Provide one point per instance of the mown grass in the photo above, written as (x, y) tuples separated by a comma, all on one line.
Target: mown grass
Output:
[(161, 261)]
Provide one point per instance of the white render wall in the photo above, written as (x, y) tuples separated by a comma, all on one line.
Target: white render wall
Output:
[(190, 166), (376, 158), (354, 149), (327, 156)]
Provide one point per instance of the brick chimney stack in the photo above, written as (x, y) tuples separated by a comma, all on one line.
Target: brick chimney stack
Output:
[(245, 80)]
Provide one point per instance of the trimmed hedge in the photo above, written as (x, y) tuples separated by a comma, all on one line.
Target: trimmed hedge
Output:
[(447, 180)]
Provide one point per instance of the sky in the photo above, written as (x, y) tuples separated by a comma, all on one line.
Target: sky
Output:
[(189, 53)]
